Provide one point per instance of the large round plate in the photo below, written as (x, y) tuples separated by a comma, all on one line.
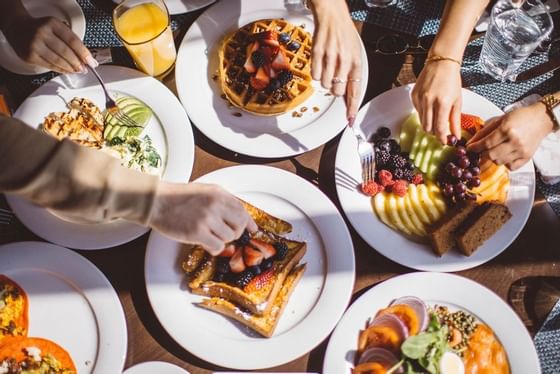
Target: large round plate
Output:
[(169, 130), (434, 288), (70, 302), (276, 136), (65, 10), (391, 109), (316, 304)]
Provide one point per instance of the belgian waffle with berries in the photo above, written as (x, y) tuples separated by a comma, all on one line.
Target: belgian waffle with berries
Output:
[(265, 67), (254, 276)]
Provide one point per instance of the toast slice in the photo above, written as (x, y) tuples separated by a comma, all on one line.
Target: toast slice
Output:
[(267, 221), (264, 325), (257, 300)]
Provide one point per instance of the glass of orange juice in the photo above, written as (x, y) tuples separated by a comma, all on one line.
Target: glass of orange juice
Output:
[(144, 28)]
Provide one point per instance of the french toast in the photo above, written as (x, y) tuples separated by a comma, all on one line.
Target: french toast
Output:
[(264, 325), (265, 67), (251, 274)]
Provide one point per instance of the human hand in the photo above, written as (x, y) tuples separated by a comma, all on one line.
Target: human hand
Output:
[(197, 213), (337, 54), (513, 138), (437, 98), (49, 43)]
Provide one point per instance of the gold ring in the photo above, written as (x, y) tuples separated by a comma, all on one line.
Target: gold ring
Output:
[(336, 80), (354, 80)]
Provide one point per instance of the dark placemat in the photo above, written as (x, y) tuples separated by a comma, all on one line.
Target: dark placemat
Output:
[(547, 342)]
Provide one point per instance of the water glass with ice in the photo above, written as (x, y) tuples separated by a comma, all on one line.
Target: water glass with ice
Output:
[(379, 3), (516, 29)]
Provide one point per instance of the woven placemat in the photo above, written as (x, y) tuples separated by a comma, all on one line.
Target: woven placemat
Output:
[(547, 342)]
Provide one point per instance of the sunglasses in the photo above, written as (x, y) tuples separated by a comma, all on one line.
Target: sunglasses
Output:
[(396, 44)]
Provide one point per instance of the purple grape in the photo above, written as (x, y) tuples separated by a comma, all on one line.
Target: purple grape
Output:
[(474, 182), (459, 188), (460, 196), (467, 176), (451, 140), (462, 142), (474, 158), (460, 151), (450, 167), (448, 190), (464, 162), (470, 196), (456, 173), (475, 170), (384, 132)]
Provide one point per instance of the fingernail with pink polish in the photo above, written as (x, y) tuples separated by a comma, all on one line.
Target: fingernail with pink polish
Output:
[(92, 62), (351, 120)]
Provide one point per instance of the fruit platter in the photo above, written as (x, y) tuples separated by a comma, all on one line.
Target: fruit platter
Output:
[(430, 323), (437, 206)]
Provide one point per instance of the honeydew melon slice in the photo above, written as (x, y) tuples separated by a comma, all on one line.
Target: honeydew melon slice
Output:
[(408, 131)]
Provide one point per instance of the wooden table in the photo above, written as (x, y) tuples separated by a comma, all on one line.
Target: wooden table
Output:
[(533, 254)]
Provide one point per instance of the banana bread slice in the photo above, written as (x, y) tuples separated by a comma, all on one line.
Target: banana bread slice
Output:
[(442, 233), (485, 221)]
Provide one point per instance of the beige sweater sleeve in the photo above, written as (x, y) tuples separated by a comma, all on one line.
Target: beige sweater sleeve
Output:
[(70, 178)]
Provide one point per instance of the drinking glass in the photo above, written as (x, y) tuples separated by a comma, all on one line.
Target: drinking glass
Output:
[(379, 3), (516, 29), (144, 28)]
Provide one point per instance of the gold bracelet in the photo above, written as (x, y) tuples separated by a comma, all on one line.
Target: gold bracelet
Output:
[(437, 58)]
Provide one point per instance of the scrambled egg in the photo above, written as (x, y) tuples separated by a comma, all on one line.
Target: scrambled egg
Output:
[(12, 307)]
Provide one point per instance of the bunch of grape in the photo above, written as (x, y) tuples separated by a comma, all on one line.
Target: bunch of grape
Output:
[(461, 173)]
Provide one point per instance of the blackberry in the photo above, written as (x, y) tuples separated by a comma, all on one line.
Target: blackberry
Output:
[(385, 146), (273, 86), (395, 147), (256, 270), (244, 278), (398, 174), (294, 46), (258, 58), (219, 277), (240, 60), (244, 239), (284, 37), (382, 158), (376, 138), (408, 175), (266, 264), (384, 132), (222, 265), (409, 166), (284, 77), (244, 77), (397, 162), (281, 250)]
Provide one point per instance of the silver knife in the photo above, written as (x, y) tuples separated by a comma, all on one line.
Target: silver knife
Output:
[(538, 70)]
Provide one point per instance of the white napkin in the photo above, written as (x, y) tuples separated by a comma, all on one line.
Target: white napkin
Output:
[(547, 156)]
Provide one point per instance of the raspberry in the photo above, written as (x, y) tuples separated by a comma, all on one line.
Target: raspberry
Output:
[(417, 179), (400, 188), (370, 188), (385, 178)]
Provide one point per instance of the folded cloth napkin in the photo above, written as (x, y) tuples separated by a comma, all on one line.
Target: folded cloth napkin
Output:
[(547, 342)]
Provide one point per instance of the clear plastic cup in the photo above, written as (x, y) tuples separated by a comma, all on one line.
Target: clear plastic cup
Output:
[(516, 28)]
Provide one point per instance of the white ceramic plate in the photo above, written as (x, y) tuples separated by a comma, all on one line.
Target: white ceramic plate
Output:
[(316, 304), (275, 136), (391, 109), (154, 367), (71, 303), (434, 288), (169, 130), (182, 6), (65, 10)]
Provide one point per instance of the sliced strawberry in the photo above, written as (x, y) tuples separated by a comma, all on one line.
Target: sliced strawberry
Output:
[(258, 282), (236, 262), (260, 80), (267, 249), (249, 66), (271, 73), (251, 256), (280, 62), (252, 48), (228, 251), (267, 35), (267, 52), (272, 43)]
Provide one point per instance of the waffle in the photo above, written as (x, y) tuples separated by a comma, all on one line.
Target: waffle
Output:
[(266, 98)]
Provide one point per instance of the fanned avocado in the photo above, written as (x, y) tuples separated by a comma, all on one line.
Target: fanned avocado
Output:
[(133, 108)]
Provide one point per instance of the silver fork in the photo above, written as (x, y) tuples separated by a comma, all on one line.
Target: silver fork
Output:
[(367, 156), (111, 106)]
